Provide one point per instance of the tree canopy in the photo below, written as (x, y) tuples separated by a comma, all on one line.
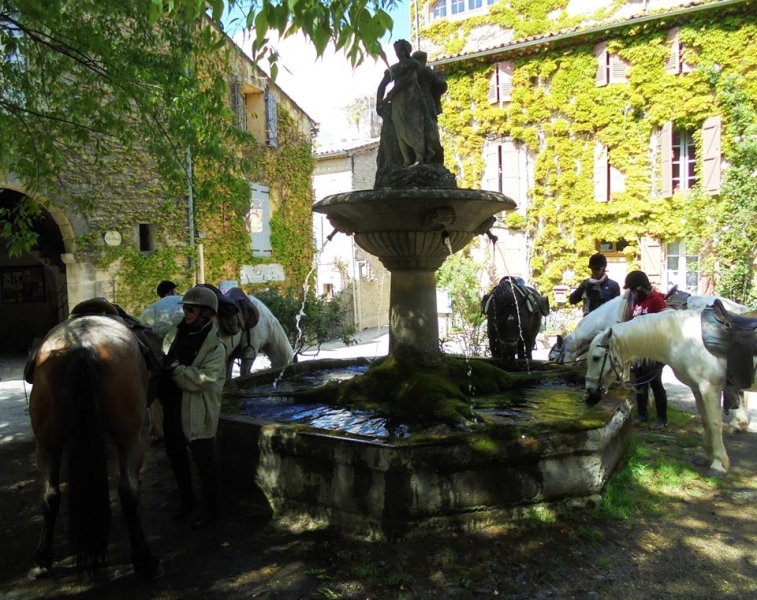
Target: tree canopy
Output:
[(79, 79)]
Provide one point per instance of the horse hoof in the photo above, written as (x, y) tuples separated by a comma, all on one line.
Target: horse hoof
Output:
[(38, 572)]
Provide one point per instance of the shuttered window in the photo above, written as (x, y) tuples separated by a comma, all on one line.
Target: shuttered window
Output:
[(611, 68), (503, 169), (501, 83), (258, 221), (601, 173), (673, 59)]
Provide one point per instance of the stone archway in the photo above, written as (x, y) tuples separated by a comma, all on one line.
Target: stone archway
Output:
[(33, 285)]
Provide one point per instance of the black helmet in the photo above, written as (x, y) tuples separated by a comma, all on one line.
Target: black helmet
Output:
[(597, 261), (165, 287), (637, 279), (201, 296)]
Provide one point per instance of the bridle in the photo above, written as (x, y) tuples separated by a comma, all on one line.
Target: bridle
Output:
[(617, 370)]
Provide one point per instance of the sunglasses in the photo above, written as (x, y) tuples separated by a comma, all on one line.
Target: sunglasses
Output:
[(190, 308)]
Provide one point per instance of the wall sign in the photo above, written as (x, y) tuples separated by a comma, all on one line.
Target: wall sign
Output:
[(112, 238)]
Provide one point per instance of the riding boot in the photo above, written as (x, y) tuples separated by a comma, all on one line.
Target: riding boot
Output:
[(642, 402), (176, 449), (660, 398), (206, 459)]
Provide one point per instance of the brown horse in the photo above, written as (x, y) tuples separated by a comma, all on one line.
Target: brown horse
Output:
[(90, 378)]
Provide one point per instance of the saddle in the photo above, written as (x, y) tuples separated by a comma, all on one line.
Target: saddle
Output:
[(731, 336), (149, 344), (535, 302)]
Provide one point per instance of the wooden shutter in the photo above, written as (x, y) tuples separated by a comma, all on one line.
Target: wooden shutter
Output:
[(493, 94), (510, 161), (271, 120), (600, 172), (673, 60), (651, 259), (600, 51), (711, 154), (492, 180), (237, 102), (258, 221), (505, 80), (618, 69), (666, 154)]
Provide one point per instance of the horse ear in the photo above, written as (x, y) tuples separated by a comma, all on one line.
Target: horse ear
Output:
[(609, 333)]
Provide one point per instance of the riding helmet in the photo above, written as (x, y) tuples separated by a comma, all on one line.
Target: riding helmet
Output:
[(201, 296), (637, 279), (165, 287), (597, 261)]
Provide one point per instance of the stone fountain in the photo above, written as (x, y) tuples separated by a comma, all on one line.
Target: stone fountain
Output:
[(413, 220)]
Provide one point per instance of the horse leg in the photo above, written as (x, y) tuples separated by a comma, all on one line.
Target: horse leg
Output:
[(156, 421), (48, 462), (145, 564), (740, 415), (712, 420)]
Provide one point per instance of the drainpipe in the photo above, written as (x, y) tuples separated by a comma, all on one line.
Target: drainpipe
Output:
[(190, 208)]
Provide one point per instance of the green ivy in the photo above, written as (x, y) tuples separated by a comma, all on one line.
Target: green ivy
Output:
[(557, 112)]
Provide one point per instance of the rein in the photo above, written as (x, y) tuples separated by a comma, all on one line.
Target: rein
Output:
[(618, 372)]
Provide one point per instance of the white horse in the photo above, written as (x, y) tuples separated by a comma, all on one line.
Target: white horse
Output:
[(674, 338), (575, 345), (268, 336)]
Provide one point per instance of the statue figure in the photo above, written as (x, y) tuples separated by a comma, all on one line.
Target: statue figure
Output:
[(410, 131)]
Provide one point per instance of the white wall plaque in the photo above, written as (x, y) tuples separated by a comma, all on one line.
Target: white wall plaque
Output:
[(112, 238), (262, 273)]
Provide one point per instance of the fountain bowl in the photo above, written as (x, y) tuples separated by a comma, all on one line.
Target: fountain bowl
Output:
[(374, 488)]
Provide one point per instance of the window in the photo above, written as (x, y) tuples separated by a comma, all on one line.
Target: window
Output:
[(607, 179), (611, 68), (474, 4), (456, 6), (439, 10), (504, 163), (679, 157), (681, 269), (674, 63), (605, 246), (146, 237), (501, 83)]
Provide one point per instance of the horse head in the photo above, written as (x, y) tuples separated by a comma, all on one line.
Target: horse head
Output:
[(603, 366), (557, 351)]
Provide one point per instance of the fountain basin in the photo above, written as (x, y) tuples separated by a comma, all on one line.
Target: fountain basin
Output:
[(388, 488)]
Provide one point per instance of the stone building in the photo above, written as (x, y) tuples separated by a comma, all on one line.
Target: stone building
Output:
[(609, 123), (342, 265), (38, 288)]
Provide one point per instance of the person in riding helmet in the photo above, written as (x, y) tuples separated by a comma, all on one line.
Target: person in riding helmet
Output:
[(597, 289), (194, 375), (166, 288), (647, 373)]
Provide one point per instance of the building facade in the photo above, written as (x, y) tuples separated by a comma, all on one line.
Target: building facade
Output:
[(137, 231), (614, 126)]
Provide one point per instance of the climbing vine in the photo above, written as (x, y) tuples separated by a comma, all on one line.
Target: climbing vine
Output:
[(557, 112)]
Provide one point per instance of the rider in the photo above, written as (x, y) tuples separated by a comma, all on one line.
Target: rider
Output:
[(597, 289), (195, 372), (166, 288), (648, 373)]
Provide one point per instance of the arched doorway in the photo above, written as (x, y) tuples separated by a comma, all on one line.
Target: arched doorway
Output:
[(33, 289)]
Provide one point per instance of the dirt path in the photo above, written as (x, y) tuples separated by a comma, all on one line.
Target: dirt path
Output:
[(703, 544)]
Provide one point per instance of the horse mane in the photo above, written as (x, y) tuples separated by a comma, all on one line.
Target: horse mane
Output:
[(644, 334)]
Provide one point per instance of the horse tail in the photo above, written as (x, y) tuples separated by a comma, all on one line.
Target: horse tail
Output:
[(89, 501)]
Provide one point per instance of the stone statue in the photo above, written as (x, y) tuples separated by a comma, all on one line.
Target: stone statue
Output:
[(410, 152)]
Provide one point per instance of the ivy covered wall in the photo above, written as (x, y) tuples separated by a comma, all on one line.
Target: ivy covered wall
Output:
[(557, 112), (134, 191)]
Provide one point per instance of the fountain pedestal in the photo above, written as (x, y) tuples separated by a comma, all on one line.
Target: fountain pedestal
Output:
[(412, 232)]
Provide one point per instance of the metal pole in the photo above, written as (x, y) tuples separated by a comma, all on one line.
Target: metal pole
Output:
[(190, 208)]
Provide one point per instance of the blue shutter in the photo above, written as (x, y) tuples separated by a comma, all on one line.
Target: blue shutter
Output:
[(271, 120)]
